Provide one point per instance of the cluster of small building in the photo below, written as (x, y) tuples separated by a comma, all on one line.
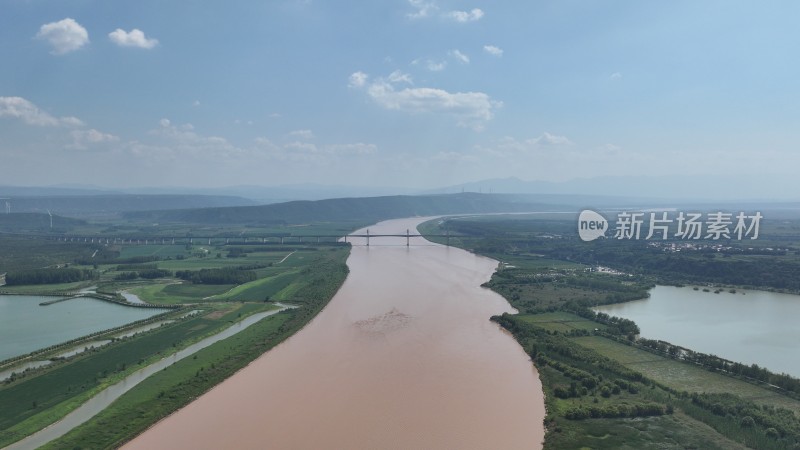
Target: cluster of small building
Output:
[(674, 247), (606, 270)]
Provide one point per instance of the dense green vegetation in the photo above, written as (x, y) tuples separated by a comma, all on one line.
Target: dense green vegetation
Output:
[(30, 395), (605, 387), (599, 393), (771, 262), (174, 387), (20, 253), (48, 276), (162, 394), (304, 275), (582, 384), (217, 276)]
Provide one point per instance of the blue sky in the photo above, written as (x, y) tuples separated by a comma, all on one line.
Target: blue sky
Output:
[(409, 93)]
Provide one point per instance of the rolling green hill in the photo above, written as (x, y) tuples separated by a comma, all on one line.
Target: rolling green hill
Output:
[(362, 209), (100, 205), (17, 222)]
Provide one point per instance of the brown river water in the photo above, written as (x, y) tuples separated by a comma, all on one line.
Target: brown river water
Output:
[(404, 356)]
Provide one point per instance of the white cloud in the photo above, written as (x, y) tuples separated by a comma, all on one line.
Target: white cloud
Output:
[(492, 50), (64, 36), (184, 140), (303, 147), (435, 66), (196, 103), (133, 38), (616, 76), (459, 56), (423, 9), (400, 77), (262, 141), (83, 139), (70, 121), (24, 110), (454, 157), (307, 152), (550, 139), (471, 109), (465, 16), (509, 147), (324, 152), (302, 134), (359, 148), (610, 149), (358, 79)]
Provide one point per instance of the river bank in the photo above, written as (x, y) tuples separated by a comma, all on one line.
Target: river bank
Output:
[(104, 398), (405, 350)]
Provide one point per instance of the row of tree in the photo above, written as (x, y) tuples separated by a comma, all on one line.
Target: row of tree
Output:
[(148, 274), (620, 410), (49, 276), (217, 276), (713, 362)]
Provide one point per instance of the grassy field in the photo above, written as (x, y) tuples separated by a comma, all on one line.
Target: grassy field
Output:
[(47, 288), (676, 431), (162, 251), (21, 253), (561, 321), (174, 293), (258, 290), (684, 376)]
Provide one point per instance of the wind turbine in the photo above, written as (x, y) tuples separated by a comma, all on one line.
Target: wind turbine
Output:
[(51, 219)]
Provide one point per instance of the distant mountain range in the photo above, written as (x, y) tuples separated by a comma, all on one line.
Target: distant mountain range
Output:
[(616, 191), (255, 194), (84, 205), (642, 187), (683, 188)]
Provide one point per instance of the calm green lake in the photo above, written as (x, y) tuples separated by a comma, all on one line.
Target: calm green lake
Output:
[(752, 327), (25, 326)]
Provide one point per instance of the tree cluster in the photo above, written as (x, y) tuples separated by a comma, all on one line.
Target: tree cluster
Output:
[(217, 276), (49, 276)]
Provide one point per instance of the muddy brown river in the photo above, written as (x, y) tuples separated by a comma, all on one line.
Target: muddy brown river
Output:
[(404, 356)]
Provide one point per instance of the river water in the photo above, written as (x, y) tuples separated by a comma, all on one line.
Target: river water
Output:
[(26, 326), (751, 327), (404, 356)]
